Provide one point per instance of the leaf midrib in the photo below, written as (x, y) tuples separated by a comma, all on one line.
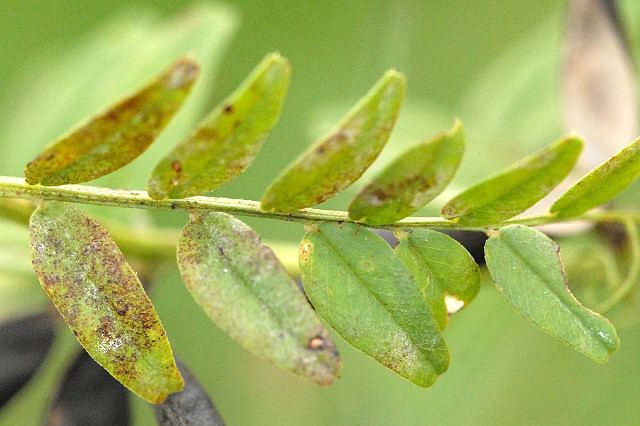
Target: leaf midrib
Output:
[(343, 259), (555, 293)]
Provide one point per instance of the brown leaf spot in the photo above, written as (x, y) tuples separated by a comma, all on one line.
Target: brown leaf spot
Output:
[(176, 165), (228, 109), (316, 343), (305, 251)]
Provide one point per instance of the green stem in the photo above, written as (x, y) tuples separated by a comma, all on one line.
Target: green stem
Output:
[(146, 244), (11, 187), (634, 269), (158, 244)]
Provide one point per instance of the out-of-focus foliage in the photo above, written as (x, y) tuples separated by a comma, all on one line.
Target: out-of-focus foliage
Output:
[(515, 101)]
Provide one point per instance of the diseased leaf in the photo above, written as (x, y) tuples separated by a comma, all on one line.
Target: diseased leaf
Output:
[(87, 395), (358, 285), (441, 267), (526, 268), (244, 289), (192, 406), (411, 181), (100, 298), (116, 137), (516, 188), (228, 140), (602, 184), (337, 160)]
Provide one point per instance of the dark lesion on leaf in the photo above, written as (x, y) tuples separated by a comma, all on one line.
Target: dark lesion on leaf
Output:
[(317, 343)]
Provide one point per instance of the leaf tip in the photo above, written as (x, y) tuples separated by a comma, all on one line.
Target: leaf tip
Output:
[(394, 75), (183, 73), (457, 126)]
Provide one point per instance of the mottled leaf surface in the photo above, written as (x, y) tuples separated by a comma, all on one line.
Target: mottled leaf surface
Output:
[(116, 137), (100, 298), (441, 266), (517, 188), (192, 406), (411, 181), (88, 395), (526, 268), (244, 289), (358, 285), (337, 160), (602, 184), (228, 140)]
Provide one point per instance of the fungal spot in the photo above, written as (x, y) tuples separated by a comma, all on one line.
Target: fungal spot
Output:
[(316, 343), (176, 165), (305, 251), (220, 251), (228, 109)]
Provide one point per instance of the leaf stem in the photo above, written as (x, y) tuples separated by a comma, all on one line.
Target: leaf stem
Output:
[(12, 187), (634, 269)]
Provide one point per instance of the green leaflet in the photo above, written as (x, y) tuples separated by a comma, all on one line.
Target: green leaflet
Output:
[(527, 270), (358, 285), (337, 160), (411, 181), (602, 184), (228, 140), (517, 188), (441, 266), (116, 137), (102, 301), (243, 288)]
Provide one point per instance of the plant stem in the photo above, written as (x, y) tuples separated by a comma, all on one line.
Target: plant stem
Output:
[(11, 187), (146, 244)]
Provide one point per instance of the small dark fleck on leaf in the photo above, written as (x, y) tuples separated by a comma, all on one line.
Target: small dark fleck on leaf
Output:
[(316, 343)]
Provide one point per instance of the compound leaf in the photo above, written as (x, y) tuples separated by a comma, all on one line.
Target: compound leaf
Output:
[(337, 160), (244, 289), (228, 140), (116, 137), (441, 267), (602, 184), (100, 298), (517, 188), (358, 285), (411, 181), (526, 268)]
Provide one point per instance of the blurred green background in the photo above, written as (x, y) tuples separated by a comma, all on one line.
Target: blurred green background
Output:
[(494, 64)]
